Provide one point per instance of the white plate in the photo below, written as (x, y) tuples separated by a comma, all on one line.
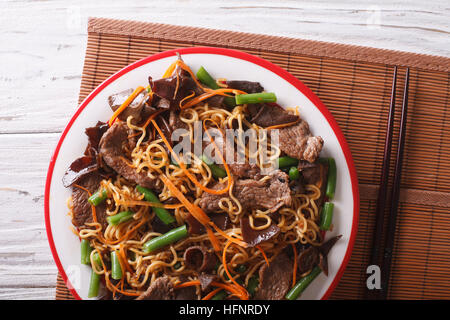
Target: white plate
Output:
[(222, 63)]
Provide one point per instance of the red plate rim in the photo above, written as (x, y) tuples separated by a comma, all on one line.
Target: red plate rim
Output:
[(230, 53)]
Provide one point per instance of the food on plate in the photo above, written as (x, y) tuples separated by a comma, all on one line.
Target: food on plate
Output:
[(201, 188)]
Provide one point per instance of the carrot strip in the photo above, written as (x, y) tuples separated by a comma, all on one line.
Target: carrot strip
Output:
[(214, 241), (170, 69), (123, 256), (188, 174), (243, 294), (211, 294), (294, 273), (209, 94), (188, 284), (263, 253), (283, 125), (125, 104)]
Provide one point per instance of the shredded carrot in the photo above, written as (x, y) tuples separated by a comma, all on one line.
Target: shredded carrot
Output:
[(188, 174), (211, 294), (283, 125), (214, 241), (170, 70), (294, 273), (123, 256), (125, 104), (188, 284), (263, 253), (243, 294), (209, 94)]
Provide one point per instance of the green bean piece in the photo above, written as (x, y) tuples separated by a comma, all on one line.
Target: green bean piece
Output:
[(221, 295), (94, 285), (261, 97), (253, 283), (216, 171), (161, 213), (302, 284), (166, 239), (205, 78), (98, 197), (284, 162), (294, 174), (96, 259), (120, 217), (327, 216), (85, 251), (332, 173), (116, 269)]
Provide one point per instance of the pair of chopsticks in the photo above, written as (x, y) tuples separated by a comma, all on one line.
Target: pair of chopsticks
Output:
[(385, 261)]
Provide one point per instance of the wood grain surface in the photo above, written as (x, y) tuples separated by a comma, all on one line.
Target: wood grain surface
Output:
[(41, 59)]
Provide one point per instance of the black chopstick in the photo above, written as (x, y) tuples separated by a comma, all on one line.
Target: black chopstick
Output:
[(393, 212), (382, 191)]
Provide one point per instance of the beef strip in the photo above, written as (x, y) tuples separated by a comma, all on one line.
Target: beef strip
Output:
[(266, 115), (94, 135), (254, 237), (78, 169), (186, 293), (246, 86), (205, 280), (297, 142), (82, 210), (220, 219), (275, 279), (160, 289), (199, 258), (112, 150), (324, 249), (308, 259), (272, 193)]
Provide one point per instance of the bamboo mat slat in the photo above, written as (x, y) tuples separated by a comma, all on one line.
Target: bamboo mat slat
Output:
[(354, 83)]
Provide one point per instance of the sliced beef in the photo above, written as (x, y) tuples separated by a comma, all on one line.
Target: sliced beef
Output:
[(94, 135), (220, 219), (186, 293), (267, 115), (271, 193), (254, 237), (246, 86), (82, 209), (112, 146), (297, 142), (140, 105), (160, 289), (199, 258), (275, 280), (205, 280)]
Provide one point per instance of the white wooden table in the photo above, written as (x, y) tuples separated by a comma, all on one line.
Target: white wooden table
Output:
[(42, 46)]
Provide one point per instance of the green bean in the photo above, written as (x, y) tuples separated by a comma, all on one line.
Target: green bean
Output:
[(98, 197), (220, 295), (284, 162), (216, 171), (120, 217), (209, 81), (302, 284), (166, 239), (94, 285), (253, 283), (206, 78), (294, 174), (327, 216), (241, 268), (96, 259), (161, 213), (85, 251), (116, 269), (256, 98), (331, 184)]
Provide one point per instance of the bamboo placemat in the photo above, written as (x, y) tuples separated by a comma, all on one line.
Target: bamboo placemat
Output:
[(354, 83)]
